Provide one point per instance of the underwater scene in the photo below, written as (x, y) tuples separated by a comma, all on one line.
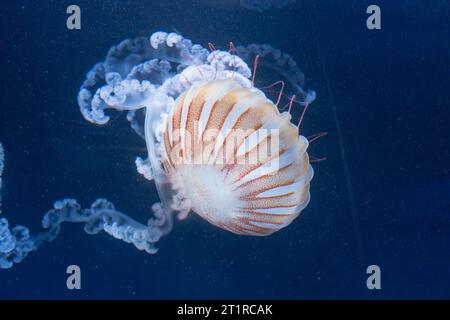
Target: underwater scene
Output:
[(225, 149)]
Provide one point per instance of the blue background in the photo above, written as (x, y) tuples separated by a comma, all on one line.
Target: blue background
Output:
[(381, 197)]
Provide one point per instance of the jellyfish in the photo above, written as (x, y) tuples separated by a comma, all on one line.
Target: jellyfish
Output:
[(263, 5), (280, 64), (216, 145)]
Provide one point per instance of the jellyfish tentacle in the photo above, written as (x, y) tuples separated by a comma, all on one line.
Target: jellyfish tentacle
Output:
[(102, 216), (155, 60), (17, 242), (144, 167), (283, 64), (154, 70), (175, 48), (153, 137)]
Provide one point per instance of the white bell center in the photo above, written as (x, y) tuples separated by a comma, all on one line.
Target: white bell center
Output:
[(212, 197)]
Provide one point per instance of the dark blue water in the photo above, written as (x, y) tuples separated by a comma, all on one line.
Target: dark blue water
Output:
[(382, 196)]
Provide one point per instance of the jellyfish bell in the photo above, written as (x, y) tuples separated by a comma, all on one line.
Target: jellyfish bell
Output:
[(238, 161)]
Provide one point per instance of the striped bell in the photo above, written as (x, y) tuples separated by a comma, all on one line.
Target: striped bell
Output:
[(238, 161)]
